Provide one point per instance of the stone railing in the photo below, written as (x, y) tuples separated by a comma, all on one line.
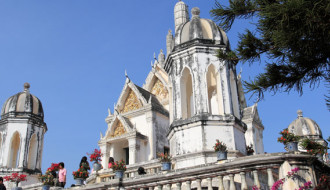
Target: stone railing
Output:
[(240, 173), (106, 175)]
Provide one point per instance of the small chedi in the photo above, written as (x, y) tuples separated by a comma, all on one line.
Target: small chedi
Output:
[(191, 107)]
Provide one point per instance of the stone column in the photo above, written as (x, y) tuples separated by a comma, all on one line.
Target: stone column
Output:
[(209, 184), (243, 181), (232, 182), (159, 187), (168, 186), (133, 147), (221, 187), (256, 178), (270, 177), (188, 183), (178, 186), (199, 184)]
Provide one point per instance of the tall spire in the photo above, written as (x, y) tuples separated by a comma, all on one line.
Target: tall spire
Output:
[(181, 14)]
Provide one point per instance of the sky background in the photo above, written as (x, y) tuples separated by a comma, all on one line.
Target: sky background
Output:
[(74, 54)]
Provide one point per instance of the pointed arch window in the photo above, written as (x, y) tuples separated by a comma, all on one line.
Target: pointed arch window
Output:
[(14, 151), (0, 143), (187, 99), (33, 147), (213, 92)]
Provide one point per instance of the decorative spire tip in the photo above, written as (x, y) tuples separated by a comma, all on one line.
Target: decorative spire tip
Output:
[(26, 86)]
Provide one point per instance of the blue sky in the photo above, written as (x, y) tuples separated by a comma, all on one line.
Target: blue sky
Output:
[(74, 54)]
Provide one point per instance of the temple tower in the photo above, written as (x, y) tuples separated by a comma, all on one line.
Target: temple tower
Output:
[(205, 93), (22, 130)]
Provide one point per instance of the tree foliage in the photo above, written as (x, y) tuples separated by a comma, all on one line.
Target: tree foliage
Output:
[(293, 34)]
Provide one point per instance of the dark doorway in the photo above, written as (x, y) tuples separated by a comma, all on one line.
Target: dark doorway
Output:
[(127, 155)]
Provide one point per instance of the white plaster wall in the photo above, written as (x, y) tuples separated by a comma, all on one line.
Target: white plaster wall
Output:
[(239, 139), (187, 141), (161, 127), (223, 133), (118, 150), (140, 123)]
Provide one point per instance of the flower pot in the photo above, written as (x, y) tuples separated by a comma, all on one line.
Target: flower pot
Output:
[(16, 188), (79, 181), (97, 166), (119, 174), (292, 146), (221, 155), (45, 187), (166, 166)]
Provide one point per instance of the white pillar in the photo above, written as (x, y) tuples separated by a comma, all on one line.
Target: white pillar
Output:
[(232, 182), (209, 184), (188, 183), (199, 184), (256, 179), (270, 178), (243, 181), (221, 187), (178, 186)]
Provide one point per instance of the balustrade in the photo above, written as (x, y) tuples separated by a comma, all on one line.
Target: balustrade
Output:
[(240, 173)]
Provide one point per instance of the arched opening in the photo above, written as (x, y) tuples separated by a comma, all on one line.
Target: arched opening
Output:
[(187, 100), (14, 151), (32, 157), (214, 98), (234, 94), (0, 143)]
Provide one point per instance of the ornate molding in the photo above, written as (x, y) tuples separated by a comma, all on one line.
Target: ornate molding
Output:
[(131, 103)]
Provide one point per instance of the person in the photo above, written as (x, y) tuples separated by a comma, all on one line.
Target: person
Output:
[(85, 163), (62, 175), (2, 186), (141, 171), (111, 162)]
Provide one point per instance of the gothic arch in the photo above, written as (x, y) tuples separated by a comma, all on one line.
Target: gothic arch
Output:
[(187, 94), (234, 94), (1, 139), (14, 151), (214, 93), (33, 151)]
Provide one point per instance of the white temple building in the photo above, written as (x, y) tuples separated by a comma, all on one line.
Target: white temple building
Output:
[(190, 98)]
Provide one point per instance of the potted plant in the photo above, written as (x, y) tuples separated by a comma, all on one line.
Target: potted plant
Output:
[(47, 179), (119, 167), (16, 178), (81, 174), (249, 150), (290, 140), (314, 148), (221, 149), (53, 169), (165, 159), (96, 158)]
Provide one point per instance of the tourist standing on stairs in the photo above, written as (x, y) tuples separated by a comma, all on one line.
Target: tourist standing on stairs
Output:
[(2, 186), (62, 175)]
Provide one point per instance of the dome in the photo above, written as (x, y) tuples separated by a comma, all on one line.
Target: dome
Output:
[(199, 28), (304, 126), (22, 104)]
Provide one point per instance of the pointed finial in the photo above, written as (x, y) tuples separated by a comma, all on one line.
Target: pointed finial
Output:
[(154, 55), (300, 113), (169, 31), (26, 86), (101, 135), (109, 112), (126, 74), (152, 65)]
